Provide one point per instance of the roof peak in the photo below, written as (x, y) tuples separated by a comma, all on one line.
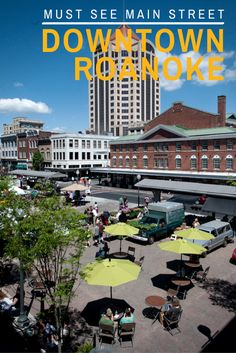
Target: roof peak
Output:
[(124, 30)]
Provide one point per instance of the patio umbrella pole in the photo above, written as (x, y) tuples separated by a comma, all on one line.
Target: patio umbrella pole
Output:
[(111, 292), (120, 244)]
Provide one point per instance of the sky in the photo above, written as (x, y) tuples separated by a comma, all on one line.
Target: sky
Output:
[(41, 85)]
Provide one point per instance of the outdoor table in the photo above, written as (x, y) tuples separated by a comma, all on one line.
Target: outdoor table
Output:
[(181, 282), (192, 264), (120, 255), (155, 301)]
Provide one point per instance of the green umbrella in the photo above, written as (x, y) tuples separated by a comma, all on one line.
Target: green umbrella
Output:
[(182, 246), (121, 230), (110, 272), (194, 234)]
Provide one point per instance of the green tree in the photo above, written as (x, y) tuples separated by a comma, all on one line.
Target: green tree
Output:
[(37, 161), (49, 238)]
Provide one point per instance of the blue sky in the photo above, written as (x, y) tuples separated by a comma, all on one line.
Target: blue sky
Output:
[(28, 76)]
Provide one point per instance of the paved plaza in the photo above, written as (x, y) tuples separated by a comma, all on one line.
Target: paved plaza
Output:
[(204, 312), (198, 308)]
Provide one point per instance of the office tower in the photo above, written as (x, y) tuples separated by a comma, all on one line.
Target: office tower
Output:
[(116, 105)]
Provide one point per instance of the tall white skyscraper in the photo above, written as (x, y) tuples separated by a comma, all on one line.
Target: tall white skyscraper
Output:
[(115, 105)]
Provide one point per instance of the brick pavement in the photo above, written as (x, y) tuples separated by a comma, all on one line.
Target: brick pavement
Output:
[(198, 309)]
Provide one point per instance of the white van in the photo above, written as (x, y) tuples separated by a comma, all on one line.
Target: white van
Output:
[(221, 231)]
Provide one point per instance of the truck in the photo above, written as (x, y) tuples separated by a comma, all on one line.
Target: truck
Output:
[(161, 219)]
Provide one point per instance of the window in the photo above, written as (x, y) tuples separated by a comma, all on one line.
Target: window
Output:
[(145, 148), (105, 144), (135, 162), (229, 144), (216, 145), (204, 145), (114, 161), (193, 162), (88, 154), (94, 144), (216, 162), (88, 144), (71, 143), (71, 155), (120, 161), (76, 143), (178, 146), (83, 155), (134, 148), (178, 162), (83, 143), (127, 147), (229, 162), (145, 161), (193, 145), (76, 155), (99, 144), (127, 161), (204, 162)]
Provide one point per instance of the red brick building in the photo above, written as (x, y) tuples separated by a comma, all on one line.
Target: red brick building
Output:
[(181, 142), (27, 145)]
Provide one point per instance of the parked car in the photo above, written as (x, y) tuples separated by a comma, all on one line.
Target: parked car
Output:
[(221, 231), (233, 257)]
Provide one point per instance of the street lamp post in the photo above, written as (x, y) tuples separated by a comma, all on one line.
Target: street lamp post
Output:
[(77, 174), (138, 178)]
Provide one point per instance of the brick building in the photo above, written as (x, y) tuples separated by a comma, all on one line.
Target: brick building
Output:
[(181, 143), (27, 145)]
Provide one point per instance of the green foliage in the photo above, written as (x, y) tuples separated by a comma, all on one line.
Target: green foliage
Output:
[(142, 226), (48, 237), (85, 348), (46, 187), (133, 213), (231, 182), (37, 161)]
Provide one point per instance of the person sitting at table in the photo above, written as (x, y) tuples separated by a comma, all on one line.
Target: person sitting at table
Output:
[(170, 310), (7, 303), (128, 317), (108, 319)]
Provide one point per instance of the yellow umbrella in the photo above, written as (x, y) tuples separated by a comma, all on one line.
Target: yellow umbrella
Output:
[(121, 230), (110, 272), (194, 234), (182, 246)]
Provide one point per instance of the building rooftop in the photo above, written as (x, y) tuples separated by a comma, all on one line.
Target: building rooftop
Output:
[(180, 131)]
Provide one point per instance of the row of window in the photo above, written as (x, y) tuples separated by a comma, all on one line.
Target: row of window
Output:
[(163, 162), (9, 153), (9, 144), (57, 156), (179, 146), (74, 143)]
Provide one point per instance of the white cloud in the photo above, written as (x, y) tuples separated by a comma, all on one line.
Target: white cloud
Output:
[(18, 84), (59, 129), (230, 75), (228, 71), (17, 105)]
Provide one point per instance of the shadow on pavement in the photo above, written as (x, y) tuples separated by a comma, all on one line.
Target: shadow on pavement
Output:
[(162, 281), (221, 292), (94, 309), (221, 341)]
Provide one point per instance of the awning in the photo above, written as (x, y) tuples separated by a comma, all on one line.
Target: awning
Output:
[(218, 205), (38, 174), (224, 191)]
